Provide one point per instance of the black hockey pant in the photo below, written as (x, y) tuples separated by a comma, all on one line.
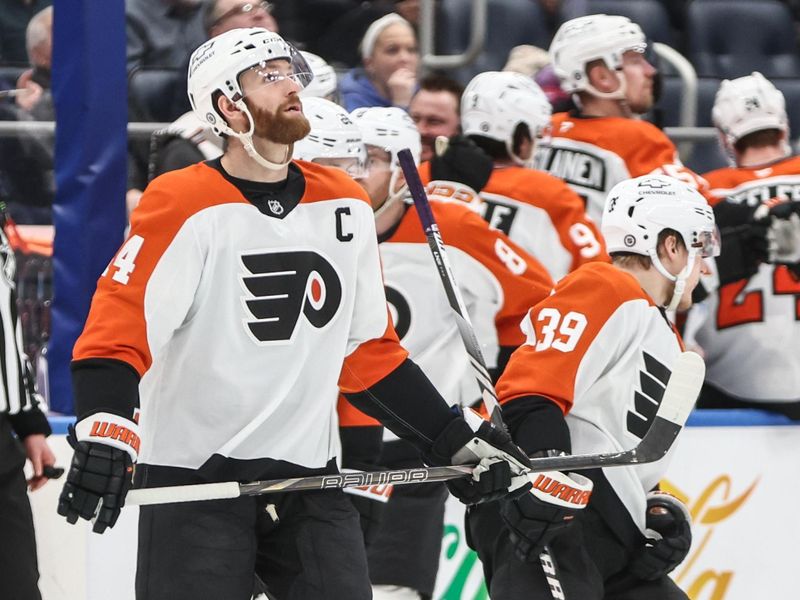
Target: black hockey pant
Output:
[(211, 550), (591, 563)]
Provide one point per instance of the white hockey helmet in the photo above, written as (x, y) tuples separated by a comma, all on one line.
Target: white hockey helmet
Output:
[(638, 210), (593, 37), (217, 64), (333, 136), (746, 105), (390, 129), (324, 84), (494, 103)]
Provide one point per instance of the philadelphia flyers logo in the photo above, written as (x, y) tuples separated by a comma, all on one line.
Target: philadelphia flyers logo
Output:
[(282, 286), (400, 311)]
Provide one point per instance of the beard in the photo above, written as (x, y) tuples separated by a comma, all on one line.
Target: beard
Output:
[(277, 127)]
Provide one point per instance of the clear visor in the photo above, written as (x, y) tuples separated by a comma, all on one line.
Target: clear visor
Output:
[(355, 167), (292, 68), (707, 242)]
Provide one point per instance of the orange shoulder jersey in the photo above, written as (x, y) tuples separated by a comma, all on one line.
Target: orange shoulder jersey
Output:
[(243, 324), (751, 337), (593, 154), (498, 281), (542, 215), (603, 352)]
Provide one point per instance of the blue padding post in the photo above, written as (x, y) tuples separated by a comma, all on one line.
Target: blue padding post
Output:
[(90, 93)]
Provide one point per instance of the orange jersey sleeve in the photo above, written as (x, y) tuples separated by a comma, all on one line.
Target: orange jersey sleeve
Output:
[(523, 279), (117, 326), (577, 232), (560, 330)]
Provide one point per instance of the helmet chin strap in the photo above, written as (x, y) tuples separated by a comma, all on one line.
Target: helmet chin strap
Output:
[(392, 197), (679, 279), (247, 141)]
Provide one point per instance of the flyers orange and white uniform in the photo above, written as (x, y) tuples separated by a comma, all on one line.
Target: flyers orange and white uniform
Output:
[(593, 154), (602, 351), (219, 308), (498, 281), (542, 215), (751, 337)]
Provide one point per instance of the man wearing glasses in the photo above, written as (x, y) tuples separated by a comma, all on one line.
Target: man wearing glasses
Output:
[(224, 15)]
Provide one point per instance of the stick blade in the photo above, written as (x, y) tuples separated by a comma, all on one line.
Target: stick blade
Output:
[(683, 388)]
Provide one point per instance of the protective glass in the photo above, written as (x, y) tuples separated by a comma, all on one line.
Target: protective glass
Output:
[(354, 166)]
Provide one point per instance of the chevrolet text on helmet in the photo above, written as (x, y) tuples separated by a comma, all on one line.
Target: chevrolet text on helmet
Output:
[(333, 135), (638, 210), (746, 105), (392, 130), (496, 102), (324, 83), (594, 37), (216, 66)]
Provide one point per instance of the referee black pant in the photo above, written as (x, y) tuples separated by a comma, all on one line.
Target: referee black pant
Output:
[(19, 572)]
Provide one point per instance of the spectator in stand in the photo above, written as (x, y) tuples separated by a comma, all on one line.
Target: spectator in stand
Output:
[(224, 15), (436, 110), (14, 18), (162, 33), (389, 73), (29, 183)]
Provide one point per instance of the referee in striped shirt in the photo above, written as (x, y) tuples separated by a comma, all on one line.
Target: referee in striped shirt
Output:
[(23, 429)]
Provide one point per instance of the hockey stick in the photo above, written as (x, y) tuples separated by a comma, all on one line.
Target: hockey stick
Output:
[(465, 328), (679, 396), (436, 245)]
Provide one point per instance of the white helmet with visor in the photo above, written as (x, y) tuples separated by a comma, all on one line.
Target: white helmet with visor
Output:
[(325, 81), (391, 130), (334, 139), (638, 210), (217, 65)]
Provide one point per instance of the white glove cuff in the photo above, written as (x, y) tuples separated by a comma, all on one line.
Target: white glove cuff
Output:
[(111, 430)]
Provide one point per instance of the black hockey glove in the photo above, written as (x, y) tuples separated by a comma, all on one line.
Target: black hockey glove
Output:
[(669, 537), (100, 474), (549, 507), (744, 241), (463, 162), (471, 440)]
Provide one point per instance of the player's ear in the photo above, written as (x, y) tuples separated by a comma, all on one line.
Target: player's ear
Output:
[(601, 77)]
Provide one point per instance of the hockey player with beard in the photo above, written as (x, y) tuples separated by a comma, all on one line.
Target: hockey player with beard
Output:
[(600, 60), (505, 114), (751, 335), (498, 281), (598, 355), (248, 294)]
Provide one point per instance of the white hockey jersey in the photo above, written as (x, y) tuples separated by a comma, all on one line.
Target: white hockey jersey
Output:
[(498, 281), (603, 352), (593, 154), (542, 215), (244, 326), (751, 338)]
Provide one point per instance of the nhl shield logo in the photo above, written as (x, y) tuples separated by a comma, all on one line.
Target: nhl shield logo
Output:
[(275, 207)]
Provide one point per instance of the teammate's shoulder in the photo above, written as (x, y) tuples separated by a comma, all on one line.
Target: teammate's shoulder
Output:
[(328, 183), (536, 186), (196, 176), (602, 281), (723, 177)]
